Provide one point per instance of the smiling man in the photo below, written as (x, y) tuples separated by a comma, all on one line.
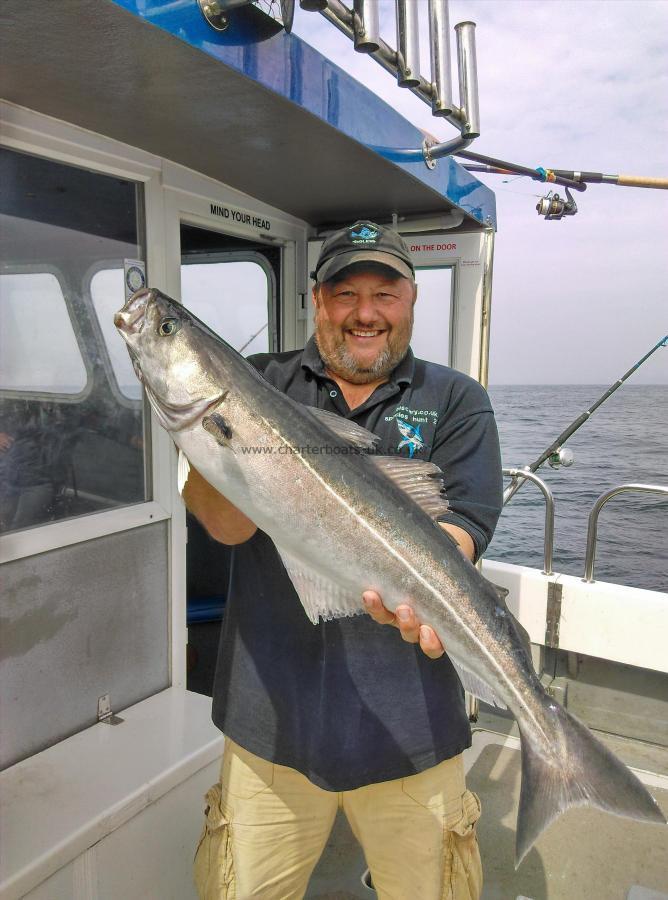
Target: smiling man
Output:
[(348, 715)]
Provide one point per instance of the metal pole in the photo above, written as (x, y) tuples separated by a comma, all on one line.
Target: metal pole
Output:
[(431, 152), (366, 25), (548, 541), (512, 489), (592, 526), (468, 77), (486, 312), (408, 53), (439, 35)]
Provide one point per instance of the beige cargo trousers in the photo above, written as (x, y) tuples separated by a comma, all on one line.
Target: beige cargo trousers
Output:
[(267, 825)]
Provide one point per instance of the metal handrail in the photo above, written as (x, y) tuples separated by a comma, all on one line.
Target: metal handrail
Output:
[(549, 512), (592, 527)]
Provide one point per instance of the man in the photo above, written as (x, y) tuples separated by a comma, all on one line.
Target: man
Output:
[(347, 714)]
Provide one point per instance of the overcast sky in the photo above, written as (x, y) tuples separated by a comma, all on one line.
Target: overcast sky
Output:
[(572, 85)]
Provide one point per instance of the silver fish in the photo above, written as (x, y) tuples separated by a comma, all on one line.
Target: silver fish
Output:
[(345, 521)]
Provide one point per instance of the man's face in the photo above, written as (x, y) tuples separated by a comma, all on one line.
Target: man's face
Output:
[(363, 323)]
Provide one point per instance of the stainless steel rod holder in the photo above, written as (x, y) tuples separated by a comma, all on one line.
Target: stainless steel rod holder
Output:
[(548, 542), (408, 44), (366, 26), (467, 68), (592, 525), (439, 37), (343, 18)]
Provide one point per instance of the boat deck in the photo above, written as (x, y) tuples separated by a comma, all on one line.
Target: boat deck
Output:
[(585, 853)]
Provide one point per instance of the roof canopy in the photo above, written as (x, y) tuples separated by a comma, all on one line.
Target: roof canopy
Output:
[(275, 119)]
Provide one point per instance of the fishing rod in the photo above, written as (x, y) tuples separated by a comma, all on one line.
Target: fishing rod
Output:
[(555, 453), (553, 206)]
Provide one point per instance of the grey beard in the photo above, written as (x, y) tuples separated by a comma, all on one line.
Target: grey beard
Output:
[(343, 363)]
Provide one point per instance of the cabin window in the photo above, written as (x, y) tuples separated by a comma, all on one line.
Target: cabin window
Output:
[(71, 421), (38, 347), (233, 299), (431, 328)]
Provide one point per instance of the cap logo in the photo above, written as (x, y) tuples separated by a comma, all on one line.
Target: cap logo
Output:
[(365, 235)]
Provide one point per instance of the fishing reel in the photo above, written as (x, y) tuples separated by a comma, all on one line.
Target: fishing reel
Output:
[(561, 457), (555, 207)]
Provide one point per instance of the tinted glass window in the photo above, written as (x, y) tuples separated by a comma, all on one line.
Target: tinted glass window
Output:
[(431, 329), (38, 347), (233, 299), (106, 287), (71, 427)]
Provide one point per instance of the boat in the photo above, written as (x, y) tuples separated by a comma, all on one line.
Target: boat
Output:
[(204, 149)]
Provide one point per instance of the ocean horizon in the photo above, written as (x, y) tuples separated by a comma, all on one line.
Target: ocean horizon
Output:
[(624, 441)]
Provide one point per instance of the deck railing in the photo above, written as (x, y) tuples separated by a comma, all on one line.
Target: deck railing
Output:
[(592, 527), (548, 541)]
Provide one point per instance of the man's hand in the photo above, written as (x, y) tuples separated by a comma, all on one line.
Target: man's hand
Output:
[(404, 617), (223, 521)]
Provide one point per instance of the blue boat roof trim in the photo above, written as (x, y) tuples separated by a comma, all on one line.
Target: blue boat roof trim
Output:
[(291, 68)]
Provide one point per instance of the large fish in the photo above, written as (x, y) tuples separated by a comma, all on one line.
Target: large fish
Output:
[(345, 521)]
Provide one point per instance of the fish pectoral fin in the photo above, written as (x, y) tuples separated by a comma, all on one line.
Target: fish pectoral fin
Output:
[(476, 686), (348, 431), (218, 427), (320, 597), (421, 480), (182, 471)]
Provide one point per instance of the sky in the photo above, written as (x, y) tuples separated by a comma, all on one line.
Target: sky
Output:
[(569, 85)]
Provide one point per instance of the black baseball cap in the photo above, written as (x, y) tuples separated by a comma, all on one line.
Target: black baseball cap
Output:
[(363, 242)]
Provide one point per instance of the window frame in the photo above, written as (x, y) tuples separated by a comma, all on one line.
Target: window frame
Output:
[(122, 398), (452, 267), (28, 132)]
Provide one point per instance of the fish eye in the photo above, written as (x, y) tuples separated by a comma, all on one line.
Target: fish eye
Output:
[(168, 326)]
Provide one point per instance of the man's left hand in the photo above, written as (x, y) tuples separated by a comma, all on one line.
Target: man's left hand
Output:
[(404, 619)]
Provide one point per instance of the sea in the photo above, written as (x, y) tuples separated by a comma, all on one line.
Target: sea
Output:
[(624, 441)]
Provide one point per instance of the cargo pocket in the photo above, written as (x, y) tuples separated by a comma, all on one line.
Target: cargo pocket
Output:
[(213, 870), (463, 869)]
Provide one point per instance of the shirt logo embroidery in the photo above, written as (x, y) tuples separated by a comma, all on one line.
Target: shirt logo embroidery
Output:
[(410, 437)]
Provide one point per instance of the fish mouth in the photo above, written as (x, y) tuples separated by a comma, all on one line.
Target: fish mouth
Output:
[(130, 320), (181, 416)]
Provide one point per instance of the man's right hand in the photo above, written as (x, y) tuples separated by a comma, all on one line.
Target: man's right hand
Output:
[(222, 520), (405, 620)]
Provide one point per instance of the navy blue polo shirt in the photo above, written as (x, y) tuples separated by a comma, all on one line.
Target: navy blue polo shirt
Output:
[(348, 702)]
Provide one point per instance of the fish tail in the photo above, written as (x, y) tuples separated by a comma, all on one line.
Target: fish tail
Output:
[(573, 768)]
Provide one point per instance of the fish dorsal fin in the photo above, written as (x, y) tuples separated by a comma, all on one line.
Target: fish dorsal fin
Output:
[(182, 471), (476, 686), (343, 428), (421, 480), (320, 597)]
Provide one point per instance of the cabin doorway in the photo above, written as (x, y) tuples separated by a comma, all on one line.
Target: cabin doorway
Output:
[(233, 285)]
